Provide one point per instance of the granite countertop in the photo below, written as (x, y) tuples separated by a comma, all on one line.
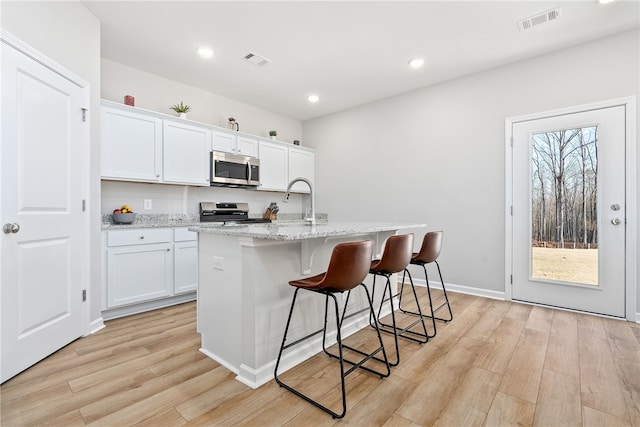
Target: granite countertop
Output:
[(153, 221), (187, 220), (300, 231)]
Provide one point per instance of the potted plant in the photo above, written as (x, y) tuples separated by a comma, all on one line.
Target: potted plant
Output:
[(181, 109), (273, 134)]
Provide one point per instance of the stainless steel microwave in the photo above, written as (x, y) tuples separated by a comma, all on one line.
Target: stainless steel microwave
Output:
[(232, 170)]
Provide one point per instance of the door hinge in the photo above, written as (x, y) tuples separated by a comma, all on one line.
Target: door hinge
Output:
[(84, 205), (84, 114), (511, 279), (512, 140), (511, 210), (84, 295)]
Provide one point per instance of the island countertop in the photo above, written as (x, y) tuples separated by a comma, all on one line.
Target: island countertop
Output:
[(301, 231)]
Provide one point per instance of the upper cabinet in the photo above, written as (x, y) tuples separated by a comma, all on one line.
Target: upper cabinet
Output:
[(234, 143), (223, 141), (301, 164), (131, 145), (280, 163), (146, 146), (274, 166), (247, 146), (185, 153), (137, 146)]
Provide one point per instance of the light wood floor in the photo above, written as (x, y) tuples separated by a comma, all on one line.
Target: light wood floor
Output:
[(497, 363)]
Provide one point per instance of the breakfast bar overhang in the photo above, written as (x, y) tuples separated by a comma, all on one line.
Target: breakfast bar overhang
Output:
[(244, 296)]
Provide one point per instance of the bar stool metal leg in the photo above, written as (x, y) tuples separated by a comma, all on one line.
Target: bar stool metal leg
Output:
[(367, 356), (405, 332), (339, 356), (431, 308)]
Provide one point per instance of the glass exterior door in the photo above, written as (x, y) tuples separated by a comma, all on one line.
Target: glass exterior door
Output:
[(568, 211)]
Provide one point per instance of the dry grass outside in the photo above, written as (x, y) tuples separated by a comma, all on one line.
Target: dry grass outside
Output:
[(567, 265)]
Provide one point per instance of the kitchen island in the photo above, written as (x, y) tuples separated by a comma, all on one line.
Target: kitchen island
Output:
[(244, 296)]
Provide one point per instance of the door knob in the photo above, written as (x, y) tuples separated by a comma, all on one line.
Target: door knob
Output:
[(616, 221), (11, 228), (615, 207)]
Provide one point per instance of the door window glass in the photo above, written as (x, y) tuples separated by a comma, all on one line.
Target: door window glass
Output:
[(564, 200)]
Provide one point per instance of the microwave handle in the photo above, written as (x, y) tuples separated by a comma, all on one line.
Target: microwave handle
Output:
[(248, 172)]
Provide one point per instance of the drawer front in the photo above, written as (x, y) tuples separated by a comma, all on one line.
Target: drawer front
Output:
[(139, 236), (184, 235)]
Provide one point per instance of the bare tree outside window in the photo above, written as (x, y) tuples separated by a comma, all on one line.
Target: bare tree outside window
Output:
[(564, 181)]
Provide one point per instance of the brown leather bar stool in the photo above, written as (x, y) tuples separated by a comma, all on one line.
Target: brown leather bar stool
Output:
[(395, 258), (429, 252), (348, 267)]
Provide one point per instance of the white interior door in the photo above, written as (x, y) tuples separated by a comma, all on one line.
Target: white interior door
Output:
[(569, 211), (44, 141)]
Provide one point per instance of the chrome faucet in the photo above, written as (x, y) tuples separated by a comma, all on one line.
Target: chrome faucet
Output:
[(312, 216)]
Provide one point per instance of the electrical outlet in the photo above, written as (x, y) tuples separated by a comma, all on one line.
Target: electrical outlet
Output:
[(217, 263), (148, 204)]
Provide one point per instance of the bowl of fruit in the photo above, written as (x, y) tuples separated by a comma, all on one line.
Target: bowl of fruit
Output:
[(124, 215)]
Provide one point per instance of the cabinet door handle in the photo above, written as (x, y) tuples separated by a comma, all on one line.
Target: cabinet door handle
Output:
[(141, 237)]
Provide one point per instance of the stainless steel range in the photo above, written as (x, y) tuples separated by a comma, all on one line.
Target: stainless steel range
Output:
[(228, 213)]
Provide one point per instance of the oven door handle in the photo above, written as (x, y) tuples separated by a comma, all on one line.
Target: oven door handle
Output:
[(248, 172)]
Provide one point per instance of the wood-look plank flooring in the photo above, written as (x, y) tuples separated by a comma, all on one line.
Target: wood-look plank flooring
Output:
[(497, 364)]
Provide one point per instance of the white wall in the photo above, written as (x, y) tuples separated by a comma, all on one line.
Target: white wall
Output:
[(437, 155), (157, 93), (69, 34)]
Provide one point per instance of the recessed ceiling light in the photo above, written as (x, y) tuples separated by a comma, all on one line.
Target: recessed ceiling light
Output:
[(205, 52), (313, 98), (416, 62), (605, 1)]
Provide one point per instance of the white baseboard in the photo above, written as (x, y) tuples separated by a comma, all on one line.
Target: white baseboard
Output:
[(486, 293), (128, 310), (500, 295), (95, 326), (219, 360)]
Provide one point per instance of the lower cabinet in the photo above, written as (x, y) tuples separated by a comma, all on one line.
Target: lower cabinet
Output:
[(185, 261), (149, 268)]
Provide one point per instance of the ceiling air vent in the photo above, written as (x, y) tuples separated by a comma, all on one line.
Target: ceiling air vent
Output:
[(541, 18), (256, 59)]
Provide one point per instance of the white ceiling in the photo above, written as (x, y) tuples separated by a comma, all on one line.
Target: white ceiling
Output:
[(348, 53)]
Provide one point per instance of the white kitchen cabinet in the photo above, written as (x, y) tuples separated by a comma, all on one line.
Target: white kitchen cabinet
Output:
[(274, 166), (148, 268), (246, 146), (233, 143), (185, 257), (131, 145), (139, 266), (185, 153), (301, 164), (281, 162), (223, 141)]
